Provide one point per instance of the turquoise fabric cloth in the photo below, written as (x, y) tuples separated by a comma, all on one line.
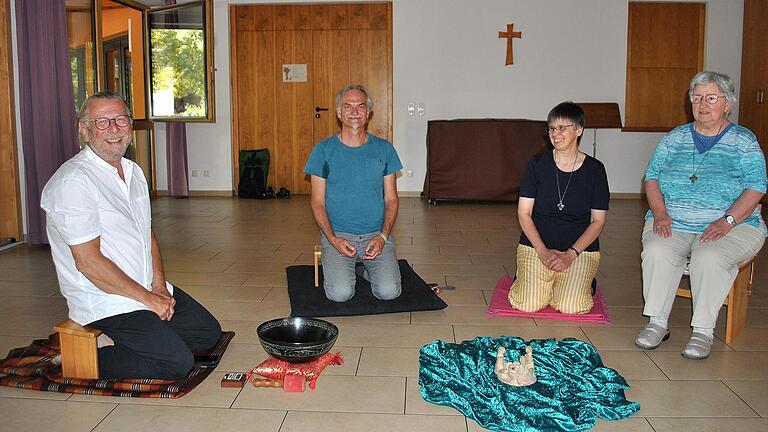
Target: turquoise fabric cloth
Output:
[(573, 387)]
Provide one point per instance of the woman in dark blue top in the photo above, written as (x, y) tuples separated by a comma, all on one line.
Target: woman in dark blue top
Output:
[(562, 210)]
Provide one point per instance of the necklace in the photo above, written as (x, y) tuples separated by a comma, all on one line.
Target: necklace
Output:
[(694, 167), (560, 204)]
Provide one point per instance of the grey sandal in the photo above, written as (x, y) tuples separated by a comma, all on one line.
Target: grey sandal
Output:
[(698, 347), (651, 337)]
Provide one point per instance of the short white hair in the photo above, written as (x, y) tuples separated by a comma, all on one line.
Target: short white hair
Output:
[(722, 81), (350, 87)]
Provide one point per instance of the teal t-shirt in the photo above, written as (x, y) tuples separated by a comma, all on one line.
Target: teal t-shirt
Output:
[(354, 189), (734, 164)]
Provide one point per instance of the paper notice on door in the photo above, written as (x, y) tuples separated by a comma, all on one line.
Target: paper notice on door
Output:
[(294, 73)]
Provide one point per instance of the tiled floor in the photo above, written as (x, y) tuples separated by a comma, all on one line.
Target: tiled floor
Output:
[(230, 254)]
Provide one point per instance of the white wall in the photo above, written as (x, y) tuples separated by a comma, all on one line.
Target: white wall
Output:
[(448, 57)]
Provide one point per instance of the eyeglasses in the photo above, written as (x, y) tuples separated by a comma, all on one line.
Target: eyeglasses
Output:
[(102, 123), (710, 98), (560, 128)]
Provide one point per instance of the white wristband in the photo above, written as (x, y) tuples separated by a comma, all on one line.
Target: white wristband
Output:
[(383, 236)]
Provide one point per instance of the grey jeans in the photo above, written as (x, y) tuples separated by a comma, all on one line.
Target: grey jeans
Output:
[(382, 272)]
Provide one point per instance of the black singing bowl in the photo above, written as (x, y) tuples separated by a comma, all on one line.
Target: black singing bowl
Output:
[(297, 339)]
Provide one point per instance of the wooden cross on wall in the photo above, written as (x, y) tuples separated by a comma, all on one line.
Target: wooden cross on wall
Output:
[(509, 35)]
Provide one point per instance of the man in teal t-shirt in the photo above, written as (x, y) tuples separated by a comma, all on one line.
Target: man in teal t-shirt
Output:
[(354, 201)]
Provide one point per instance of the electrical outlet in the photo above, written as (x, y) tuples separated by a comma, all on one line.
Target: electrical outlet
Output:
[(409, 173), (195, 173)]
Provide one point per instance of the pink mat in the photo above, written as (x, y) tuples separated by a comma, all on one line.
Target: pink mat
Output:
[(500, 307)]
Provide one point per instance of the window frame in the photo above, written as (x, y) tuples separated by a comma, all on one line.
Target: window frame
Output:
[(207, 12)]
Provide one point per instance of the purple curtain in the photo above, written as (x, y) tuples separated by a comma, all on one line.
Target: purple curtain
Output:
[(176, 153), (46, 101)]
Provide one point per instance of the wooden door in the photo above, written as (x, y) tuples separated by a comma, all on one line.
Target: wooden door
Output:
[(267, 112), (753, 107), (352, 45), (339, 44)]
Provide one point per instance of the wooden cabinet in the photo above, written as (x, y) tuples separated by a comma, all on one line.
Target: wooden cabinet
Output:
[(480, 159), (753, 100)]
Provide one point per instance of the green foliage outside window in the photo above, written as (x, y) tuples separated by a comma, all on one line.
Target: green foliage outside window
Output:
[(179, 65)]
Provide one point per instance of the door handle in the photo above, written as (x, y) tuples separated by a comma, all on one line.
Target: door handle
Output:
[(317, 111)]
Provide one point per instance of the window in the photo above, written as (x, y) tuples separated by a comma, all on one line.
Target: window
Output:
[(81, 49), (181, 54)]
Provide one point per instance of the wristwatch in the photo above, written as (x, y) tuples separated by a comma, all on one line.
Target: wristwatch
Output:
[(731, 221)]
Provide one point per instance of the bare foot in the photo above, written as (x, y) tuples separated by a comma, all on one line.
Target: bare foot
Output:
[(104, 340)]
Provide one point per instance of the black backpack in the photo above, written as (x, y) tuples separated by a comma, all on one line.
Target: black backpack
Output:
[(254, 169)]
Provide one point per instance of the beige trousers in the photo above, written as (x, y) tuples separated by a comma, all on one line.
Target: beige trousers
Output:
[(536, 287), (713, 269)]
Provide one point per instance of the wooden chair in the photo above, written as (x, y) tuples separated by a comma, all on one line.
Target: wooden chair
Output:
[(79, 358), (736, 301), (317, 252)]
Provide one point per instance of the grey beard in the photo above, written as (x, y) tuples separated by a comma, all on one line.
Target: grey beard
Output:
[(109, 156)]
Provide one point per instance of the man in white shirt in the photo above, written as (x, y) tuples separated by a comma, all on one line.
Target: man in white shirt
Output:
[(107, 258)]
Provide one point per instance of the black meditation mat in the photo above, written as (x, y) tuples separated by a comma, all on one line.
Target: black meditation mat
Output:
[(308, 301)]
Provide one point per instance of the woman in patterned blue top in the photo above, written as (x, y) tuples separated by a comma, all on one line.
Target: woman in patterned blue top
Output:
[(703, 185)]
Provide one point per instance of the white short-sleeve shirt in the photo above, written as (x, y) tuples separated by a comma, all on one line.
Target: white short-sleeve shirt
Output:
[(86, 199)]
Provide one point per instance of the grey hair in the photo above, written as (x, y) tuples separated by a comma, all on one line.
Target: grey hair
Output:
[(342, 92), (722, 81), (82, 113)]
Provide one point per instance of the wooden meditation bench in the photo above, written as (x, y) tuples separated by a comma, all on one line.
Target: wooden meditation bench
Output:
[(79, 350), (317, 253), (736, 301)]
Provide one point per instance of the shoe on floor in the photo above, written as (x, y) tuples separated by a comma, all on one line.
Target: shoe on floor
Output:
[(698, 347), (651, 337), (283, 193)]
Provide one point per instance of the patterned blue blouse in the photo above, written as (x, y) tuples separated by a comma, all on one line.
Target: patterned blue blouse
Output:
[(698, 188)]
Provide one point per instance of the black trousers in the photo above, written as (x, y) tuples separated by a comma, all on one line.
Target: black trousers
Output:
[(148, 347)]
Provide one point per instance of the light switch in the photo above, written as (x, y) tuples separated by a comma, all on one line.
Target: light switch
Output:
[(420, 109)]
